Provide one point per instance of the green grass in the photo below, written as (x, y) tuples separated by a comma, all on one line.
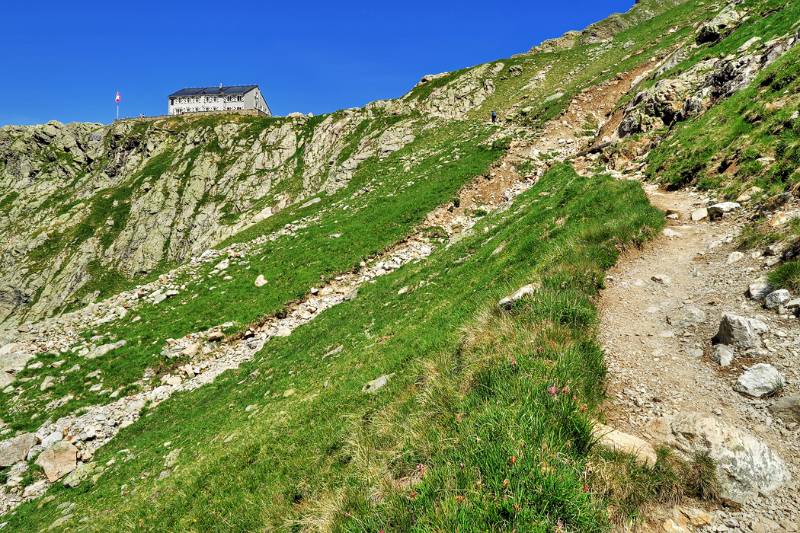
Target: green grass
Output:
[(786, 276), (399, 200), (469, 386), (720, 149)]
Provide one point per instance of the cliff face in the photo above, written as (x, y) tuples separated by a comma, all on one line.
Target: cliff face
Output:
[(81, 199)]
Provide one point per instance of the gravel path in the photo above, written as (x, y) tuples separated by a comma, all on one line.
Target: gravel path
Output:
[(659, 362)]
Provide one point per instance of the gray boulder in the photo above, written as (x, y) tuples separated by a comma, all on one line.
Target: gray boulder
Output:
[(760, 380), (716, 211), (740, 332), (16, 449), (746, 466), (776, 299)]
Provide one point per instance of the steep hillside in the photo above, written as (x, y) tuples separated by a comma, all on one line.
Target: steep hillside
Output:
[(384, 319)]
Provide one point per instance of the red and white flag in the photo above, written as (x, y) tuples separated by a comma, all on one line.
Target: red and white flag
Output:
[(118, 97)]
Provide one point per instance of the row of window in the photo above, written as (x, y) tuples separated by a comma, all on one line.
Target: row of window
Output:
[(200, 109), (208, 99)]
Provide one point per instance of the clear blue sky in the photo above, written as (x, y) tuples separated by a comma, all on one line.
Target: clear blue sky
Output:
[(64, 59)]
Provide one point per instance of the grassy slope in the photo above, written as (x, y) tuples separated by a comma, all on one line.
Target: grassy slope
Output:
[(292, 265), (724, 149), (288, 458), (743, 128)]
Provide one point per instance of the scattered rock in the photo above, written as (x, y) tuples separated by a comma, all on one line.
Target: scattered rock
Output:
[(260, 281), (618, 441), (745, 465), (739, 332), (722, 354), (672, 234), (699, 214), (508, 302), (716, 211), (104, 349), (686, 317), (80, 473), (16, 449), (776, 299), (735, 257), (376, 384), (58, 460), (662, 279), (47, 383), (215, 336), (172, 458), (759, 289), (760, 380)]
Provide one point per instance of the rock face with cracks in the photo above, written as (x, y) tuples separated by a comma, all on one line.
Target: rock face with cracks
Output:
[(745, 465)]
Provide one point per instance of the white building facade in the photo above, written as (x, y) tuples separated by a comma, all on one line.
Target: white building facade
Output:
[(222, 98)]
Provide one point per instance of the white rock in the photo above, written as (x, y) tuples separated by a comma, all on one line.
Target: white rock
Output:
[(618, 441), (47, 383), (672, 234), (376, 384), (687, 316), (58, 460), (759, 289), (16, 449), (699, 214), (735, 257), (104, 349), (760, 380), (739, 332), (745, 465), (775, 299), (508, 302), (260, 281), (722, 354), (662, 279), (51, 439)]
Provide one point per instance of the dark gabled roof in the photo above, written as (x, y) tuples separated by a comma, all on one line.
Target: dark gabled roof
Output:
[(218, 91)]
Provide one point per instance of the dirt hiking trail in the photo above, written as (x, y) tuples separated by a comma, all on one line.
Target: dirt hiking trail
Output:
[(659, 312)]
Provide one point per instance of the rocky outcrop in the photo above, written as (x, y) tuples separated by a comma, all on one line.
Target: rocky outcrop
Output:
[(692, 92), (466, 91), (86, 199)]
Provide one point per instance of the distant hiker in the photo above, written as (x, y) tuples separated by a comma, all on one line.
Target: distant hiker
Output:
[(494, 117)]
